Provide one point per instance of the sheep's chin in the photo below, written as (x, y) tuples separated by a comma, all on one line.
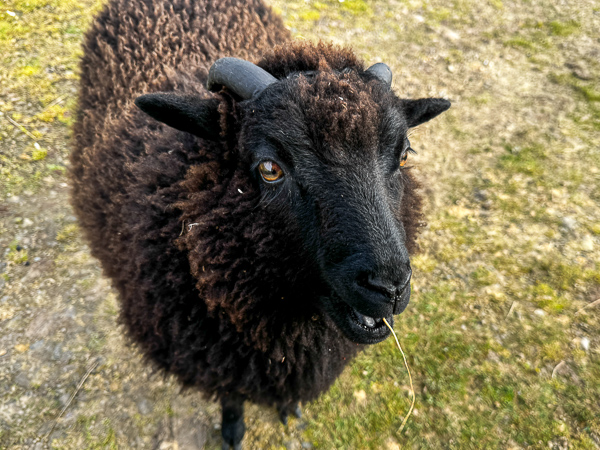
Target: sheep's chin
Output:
[(358, 327)]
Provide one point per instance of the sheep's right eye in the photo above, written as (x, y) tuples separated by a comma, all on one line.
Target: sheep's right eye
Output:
[(270, 171)]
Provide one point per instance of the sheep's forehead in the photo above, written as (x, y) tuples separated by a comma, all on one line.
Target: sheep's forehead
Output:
[(335, 118), (340, 114)]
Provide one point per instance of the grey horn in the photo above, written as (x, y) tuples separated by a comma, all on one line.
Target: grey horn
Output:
[(381, 71), (240, 76)]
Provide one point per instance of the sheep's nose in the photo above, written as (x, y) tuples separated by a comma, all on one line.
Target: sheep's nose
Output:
[(382, 286), (390, 288)]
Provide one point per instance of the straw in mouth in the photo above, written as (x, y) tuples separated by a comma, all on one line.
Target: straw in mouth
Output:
[(412, 390)]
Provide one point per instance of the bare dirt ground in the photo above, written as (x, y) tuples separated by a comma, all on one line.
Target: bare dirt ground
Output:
[(503, 332)]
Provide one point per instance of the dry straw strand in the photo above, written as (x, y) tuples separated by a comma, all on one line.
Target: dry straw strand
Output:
[(558, 366), (77, 389), (589, 305), (412, 389), (20, 127)]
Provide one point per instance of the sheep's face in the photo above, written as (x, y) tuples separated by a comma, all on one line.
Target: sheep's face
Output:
[(326, 153), (329, 152)]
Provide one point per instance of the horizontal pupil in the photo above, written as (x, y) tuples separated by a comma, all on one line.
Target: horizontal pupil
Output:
[(270, 171)]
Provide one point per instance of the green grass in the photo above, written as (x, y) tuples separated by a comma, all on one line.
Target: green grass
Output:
[(529, 161), (39, 43), (537, 37), (568, 28), (16, 254), (94, 440)]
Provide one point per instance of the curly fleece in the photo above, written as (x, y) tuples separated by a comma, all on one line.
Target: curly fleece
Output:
[(212, 288)]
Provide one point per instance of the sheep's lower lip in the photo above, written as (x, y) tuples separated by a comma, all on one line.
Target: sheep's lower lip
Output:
[(359, 327)]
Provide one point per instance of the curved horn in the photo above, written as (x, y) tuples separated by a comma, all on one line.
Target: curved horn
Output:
[(381, 71), (242, 77)]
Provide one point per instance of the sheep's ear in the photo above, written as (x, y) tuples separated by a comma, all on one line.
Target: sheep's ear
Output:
[(184, 112), (423, 109)]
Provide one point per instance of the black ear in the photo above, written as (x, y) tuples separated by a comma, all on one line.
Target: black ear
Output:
[(424, 109), (184, 112)]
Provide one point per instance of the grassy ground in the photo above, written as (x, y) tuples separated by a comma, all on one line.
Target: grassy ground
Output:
[(502, 335)]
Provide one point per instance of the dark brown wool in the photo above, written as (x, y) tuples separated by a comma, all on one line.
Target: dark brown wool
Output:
[(212, 288)]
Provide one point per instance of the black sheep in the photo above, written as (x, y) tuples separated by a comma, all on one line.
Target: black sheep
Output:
[(257, 234)]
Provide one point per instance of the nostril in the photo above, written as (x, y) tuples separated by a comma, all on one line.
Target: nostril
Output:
[(363, 280), (389, 286), (384, 287), (406, 279)]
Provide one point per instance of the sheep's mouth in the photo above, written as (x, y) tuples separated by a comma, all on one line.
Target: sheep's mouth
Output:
[(356, 326)]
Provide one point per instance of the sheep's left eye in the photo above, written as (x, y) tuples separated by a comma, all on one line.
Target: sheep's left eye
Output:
[(270, 171), (405, 153), (403, 159)]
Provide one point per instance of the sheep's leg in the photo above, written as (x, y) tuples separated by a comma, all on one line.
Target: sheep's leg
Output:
[(285, 410), (232, 425)]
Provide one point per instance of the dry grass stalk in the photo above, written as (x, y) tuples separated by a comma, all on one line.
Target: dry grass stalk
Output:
[(589, 305), (77, 389), (512, 306), (558, 366), (412, 389), (20, 127)]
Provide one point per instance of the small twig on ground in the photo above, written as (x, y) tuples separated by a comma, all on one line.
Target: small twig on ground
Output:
[(589, 305), (511, 309), (412, 389), (56, 101), (559, 365), (77, 389), (20, 127)]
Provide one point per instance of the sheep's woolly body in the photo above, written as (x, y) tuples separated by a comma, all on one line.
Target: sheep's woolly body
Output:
[(213, 288)]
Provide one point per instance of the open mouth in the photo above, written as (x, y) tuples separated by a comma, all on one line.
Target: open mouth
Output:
[(366, 322), (359, 327)]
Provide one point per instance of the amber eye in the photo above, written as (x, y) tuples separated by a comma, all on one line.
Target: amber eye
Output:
[(270, 171), (403, 159), (407, 150)]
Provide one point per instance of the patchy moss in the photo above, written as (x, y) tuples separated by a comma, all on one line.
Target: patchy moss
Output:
[(56, 168), (546, 298), (52, 113), (480, 100), (68, 233), (568, 28), (483, 277), (17, 254), (439, 14), (96, 342), (528, 160), (587, 90), (310, 15), (356, 7), (39, 154), (520, 42), (533, 41), (89, 426)]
